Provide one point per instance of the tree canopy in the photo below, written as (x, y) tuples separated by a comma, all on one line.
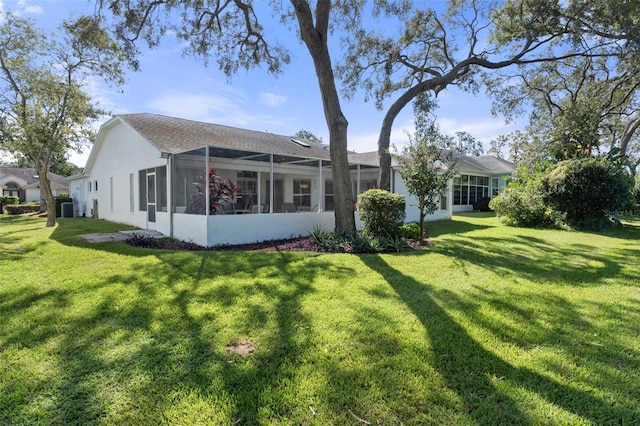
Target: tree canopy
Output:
[(307, 135), (580, 107), (438, 49), (44, 109), (232, 33)]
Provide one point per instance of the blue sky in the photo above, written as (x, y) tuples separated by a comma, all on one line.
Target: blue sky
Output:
[(171, 84)]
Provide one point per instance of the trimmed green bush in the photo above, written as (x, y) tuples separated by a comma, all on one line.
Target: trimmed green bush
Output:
[(8, 200), (21, 208), (587, 190), (382, 212), (410, 231)]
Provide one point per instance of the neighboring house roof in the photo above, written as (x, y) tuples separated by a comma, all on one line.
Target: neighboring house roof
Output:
[(177, 135), (370, 159), (481, 164), (30, 176), (485, 164)]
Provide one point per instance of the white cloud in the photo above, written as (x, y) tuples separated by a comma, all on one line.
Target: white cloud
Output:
[(485, 129), (367, 142), (24, 9), (271, 99), (223, 106)]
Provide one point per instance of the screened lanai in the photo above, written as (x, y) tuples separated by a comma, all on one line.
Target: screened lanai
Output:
[(246, 182)]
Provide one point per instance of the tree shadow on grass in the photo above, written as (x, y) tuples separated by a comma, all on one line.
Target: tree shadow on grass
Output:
[(156, 334), (453, 226), (479, 376), (538, 259)]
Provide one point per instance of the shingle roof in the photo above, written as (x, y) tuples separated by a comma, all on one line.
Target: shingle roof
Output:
[(485, 164), (481, 164), (177, 135), (29, 175), (369, 158)]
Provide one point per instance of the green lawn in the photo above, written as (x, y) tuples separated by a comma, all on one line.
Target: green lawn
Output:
[(493, 325)]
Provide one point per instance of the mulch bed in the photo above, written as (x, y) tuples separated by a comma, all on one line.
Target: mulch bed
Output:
[(294, 244), (291, 244)]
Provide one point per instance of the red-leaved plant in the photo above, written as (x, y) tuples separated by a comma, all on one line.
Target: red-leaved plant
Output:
[(220, 191)]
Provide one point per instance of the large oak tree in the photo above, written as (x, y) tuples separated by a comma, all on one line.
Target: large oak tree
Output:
[(437, 49), (231, 33)]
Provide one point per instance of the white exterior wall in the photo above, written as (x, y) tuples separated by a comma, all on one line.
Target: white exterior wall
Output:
[(121, 153), (77, 189), (190, 227), (413, 213), (33, 194), (250, 228)]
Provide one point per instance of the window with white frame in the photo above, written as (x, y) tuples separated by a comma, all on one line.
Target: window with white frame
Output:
[(495, 186), (328, 195), (132, 197), (302, 193), (469, 188)]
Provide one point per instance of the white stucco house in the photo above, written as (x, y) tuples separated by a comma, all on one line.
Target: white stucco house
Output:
[(151, 171), (24, 183)]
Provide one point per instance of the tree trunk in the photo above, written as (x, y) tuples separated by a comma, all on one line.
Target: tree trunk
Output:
[(629, 131), (315, 38), (45, 187), (384, 139)]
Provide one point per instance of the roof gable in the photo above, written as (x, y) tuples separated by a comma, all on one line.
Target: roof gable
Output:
[(29, 177)]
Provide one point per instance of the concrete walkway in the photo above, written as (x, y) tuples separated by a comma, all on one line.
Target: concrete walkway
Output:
[(108, 237)]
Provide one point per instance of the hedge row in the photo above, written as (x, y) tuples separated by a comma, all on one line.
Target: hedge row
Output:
[(21, 208), (4, 201)]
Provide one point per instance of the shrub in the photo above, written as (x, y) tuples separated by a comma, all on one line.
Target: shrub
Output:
[(410, 231), (586, 190), (522, 204), (8, 200), (21, 208), (382, 212)]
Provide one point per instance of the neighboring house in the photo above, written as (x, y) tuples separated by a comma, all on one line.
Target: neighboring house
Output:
[(24, 183), (150, 171), (477, 178)]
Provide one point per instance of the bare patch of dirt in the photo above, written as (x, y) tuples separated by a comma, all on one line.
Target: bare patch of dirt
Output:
[(242, 347)]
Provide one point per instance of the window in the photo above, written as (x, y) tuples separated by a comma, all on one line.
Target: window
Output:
[(469, 188), (302, 193), (246, 190), (328, 195), (95, 185), (443, 202), (132, 197), (161, 188), (158, 194), (111, 193), (89, 186), (495, 187), (12, 190), (142, 190)]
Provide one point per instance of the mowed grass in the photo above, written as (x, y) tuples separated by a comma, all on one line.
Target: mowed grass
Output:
[(492, 325)]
